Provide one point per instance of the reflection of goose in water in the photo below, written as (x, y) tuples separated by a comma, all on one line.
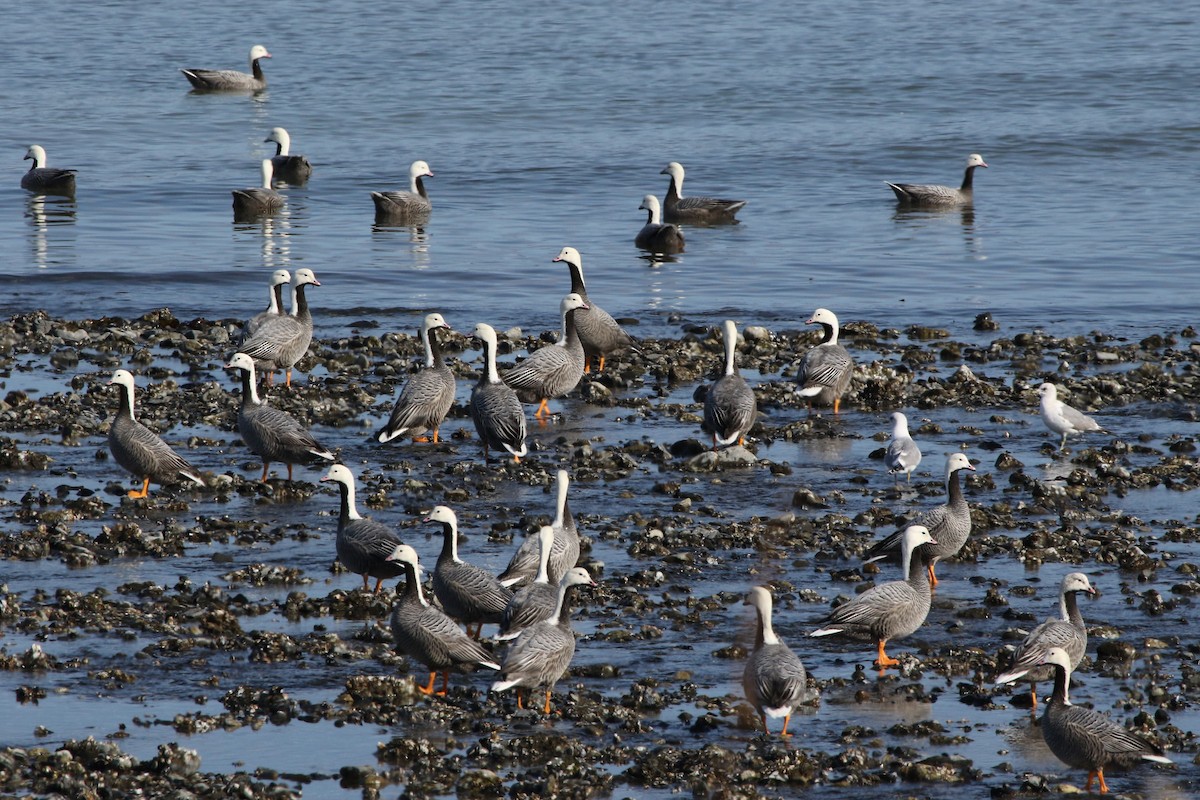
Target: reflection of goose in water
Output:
[(44, 214)]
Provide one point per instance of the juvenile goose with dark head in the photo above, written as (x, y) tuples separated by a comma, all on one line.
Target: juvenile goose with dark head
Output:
[(41, 179), (140, 450), (553, 370), (230, 80), (289, 167), (495, 409), (928, 194), (363, 545), (696, 210), (471, 595), (427, 396), (599, 333), (410, 206)]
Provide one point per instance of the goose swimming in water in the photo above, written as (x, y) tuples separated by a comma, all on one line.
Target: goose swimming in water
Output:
[(928, 194), (730, 407), (289, 168), (656, 236), (140, 450), (697, 210), (41, 179), (230, 80), (825, 370), (258, 201), (599, 333), (363, 545), (495, 409), (410, 206), (426, 398), (774, 679)]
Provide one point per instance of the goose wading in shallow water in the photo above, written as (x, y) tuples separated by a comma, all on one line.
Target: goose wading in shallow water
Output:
[(288, 167), (471, 595), (697, 210), (279, 279), (599, 333), (774, 680), (271, 433), (902, 454), (428, 394), (410, 206), (729, 406), (928, 194), (553, 370), (535, 601), (425, 633), (1067, 632), (889, 610), (363, 545), (258, 201), (46, 180), (656, 236), (825, 370), (1060, 418), (1086, 739), (280, 342), (564, 552), (140, 450), (230, 80), (495, 409)]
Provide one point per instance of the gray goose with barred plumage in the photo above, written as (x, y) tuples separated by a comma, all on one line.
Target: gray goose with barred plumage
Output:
[(289, 167), (695, 210), (363, 545), (535, 601), (41, 179), (660, 238), (825, 371), (553, 370), (928, 194), (774, 679), (599, 333), (564, 552), (230, 80), (279, 279), (426, 398), (495, 409), (258, 201), (282, 341), (471, 595), (730, 407), (140, 450), (406, 207)]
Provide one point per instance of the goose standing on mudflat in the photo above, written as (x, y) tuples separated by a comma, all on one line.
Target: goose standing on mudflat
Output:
[(949, 524), (553, 370), (495, 409), (425, 633), (282, 341), (230, 80), (257, 201), (140, 450), (1067, 632), (729, 405), (272, 434), (363, 545), (1086, 739), (427, 396), (1061, 418), (889, 610), (535, 601), (564, 553), (542, 653), (599, 333), (902, 454), (471, 595), (656, 236), (774, 680), (46, 180), (825, 370), (697, 210), (410, 206), (279, 279), (288, 167), (928, 194)]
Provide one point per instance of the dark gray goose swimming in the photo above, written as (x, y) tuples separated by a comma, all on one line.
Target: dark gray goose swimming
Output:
[(902, 454), (140, 450), (541, 655), (1086, 739), (774, 680), (1067, 632), (928, 194), (535, 601), (564, 553), (363, 545), (599, 333), (471, 595), (272, 434), (495, 409), (258, 201), (696, 210), (289, 168), (282, 341), (230, 80), (410, 206), (41, 179), (656, 236), (730, 407), (1060, 417), (425, 633), (279, 279), (949, 524), (427, 396), (553, 370), (888, 610), (825, 370)]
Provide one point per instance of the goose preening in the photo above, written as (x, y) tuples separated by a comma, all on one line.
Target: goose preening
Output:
[(656, 236), (495, 409), (281, 341), (1061, 418), (599, 333), (471, 595), (427, 396), (1086, 739), (230, 80), (425, 633), (258, 201), (564, 551), (535, 601), (730, 407), (1067, 632), (774, 679), (271, 433), (902, 453), (363, 545), (889, 610), (825, 370), (410, 206), (289, 168), (928, 194), (949, 524), (279, 279), (41, 179), (140, 450), (543, 652), (553, 370), (697, 210)]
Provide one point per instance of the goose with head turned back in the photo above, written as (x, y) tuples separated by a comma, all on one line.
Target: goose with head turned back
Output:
[(697, 210), (535, 601), (410, 206), (927, 194), (279, 279), (825, 370), (888, 610), (1061, 418), (46, 180), (599, 333), (230, 80), (140, 450), (289, 167), (495, 409), (271, 433), (1086, 739), (656, 236), (554, 370), (471, 595), (729, 406), (902, 453), (774, 680), (363, 545), (282, 341), (564, 551), (424, 632), (258, 201), (426, 398)]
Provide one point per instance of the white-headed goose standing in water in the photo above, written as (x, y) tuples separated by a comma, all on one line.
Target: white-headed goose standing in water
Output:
[(41, 179), (825, 370), (553, 370), (230, 80), (774, 679), (140, 450), (405, 207), (363, 545), (426, 398), (495, 409), (695, 210), (730, 407), (282, 341), (599, 333), (929, 194), (279, 279), (289, 167)]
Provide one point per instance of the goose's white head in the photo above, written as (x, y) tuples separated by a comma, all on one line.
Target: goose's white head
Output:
[(420, 169), (405, 555), (305, 277), (486, 334), (570, 255), (1076, 582), (976, 160), (281, 137), (823, 316), (577, 576), (122, 378), (257, 52), (442, 514), (914, 536), (957, 461), (434, 320), (650, 203), (1056, 655), (675, 170), (241, 361), (38, 154), (760, 598), (340, 473), (279, 277), (571, 302)]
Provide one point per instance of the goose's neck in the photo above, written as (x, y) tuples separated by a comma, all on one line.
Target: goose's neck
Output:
[(731, 355), (545, 546), (300, 303), (256, 69), (426, 340), (1062, 679), (491, 375), (829, 333), (560, 506), (283, 145), (562, 612), (968, 179), (1069, 605), (675, 190), (652, 216), (418, 187), (915, 571), (249, 387), (570, 334), (577, 284), (126, 407), (954, 489), (766, 632), (349, 511), (268, 172), (276, 305), (450, 542), (412, 587)]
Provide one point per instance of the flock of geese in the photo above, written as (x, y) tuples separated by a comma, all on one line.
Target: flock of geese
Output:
[(531, 600)]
